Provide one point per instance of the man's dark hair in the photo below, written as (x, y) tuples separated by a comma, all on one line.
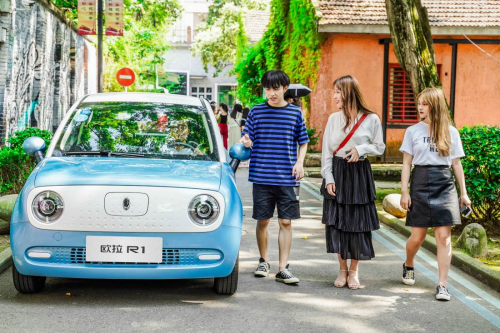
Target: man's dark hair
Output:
[(275, 79)]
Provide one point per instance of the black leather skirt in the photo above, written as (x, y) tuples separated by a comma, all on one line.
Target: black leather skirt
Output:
[(351, 215), (434, 198)]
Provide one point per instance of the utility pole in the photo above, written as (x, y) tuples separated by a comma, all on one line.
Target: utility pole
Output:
[(99, 45)]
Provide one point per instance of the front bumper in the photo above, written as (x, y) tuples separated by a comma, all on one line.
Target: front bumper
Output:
[(180, 254)]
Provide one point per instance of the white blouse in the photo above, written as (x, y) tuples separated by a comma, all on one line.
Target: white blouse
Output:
[(368, 140)]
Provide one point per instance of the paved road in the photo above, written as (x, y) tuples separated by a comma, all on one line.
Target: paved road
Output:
[(315, 305)]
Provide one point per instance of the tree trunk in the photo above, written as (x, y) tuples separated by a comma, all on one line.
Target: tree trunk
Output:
[(412, 40)]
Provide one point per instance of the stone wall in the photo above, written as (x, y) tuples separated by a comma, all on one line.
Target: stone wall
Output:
[(44, 67)]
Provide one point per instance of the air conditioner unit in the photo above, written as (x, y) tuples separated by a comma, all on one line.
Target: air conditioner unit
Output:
[(4, 6), (3, 35)]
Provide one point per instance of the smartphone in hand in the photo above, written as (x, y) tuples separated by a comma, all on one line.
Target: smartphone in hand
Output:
[(465, 211)]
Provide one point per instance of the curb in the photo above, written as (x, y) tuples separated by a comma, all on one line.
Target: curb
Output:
[(469, 265), (5, 259)]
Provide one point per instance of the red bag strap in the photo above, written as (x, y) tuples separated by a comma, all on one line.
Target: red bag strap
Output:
[(351, 133)]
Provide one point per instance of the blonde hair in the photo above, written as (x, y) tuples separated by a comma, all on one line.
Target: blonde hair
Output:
[(352, 98), (439, 117)]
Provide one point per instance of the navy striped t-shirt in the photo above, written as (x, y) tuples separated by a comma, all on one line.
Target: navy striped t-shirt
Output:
[(275, 133)]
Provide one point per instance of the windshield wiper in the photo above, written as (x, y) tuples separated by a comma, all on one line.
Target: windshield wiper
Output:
[(102, 153)]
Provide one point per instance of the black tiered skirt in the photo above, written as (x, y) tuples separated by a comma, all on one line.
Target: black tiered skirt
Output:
[(351, 215)]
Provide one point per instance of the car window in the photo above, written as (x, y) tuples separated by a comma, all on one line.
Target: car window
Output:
[(151, 130)]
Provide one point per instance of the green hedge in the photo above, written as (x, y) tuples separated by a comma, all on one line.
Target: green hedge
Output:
[(15, 165), (482, 172)]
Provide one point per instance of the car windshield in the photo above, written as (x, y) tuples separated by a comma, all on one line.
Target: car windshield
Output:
[(150, 130)]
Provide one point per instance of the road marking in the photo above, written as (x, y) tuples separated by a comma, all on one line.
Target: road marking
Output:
[(313, 189)]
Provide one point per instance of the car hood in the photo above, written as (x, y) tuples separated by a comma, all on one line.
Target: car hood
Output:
[(67, 171)]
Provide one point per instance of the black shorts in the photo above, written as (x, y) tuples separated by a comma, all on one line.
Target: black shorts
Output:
[(265, 198)]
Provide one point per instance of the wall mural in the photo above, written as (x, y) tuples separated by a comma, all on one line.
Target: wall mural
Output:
[(45, 71)]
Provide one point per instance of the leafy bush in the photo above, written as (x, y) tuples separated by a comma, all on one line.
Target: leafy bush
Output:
[(313, 136), (15, 165), (313, 140), (482, 171)]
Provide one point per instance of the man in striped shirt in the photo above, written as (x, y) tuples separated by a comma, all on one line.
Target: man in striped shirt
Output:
[(274, 130)]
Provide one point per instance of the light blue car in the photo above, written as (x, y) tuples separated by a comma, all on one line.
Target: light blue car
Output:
[(133, 186)]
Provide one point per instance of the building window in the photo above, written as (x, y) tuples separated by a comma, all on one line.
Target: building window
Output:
[(209, 97), (209, 90), (401, 107), (201, 89), (194, 89)]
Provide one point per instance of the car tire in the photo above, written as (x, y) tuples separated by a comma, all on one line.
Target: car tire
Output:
[(27, 284), (228, 285)]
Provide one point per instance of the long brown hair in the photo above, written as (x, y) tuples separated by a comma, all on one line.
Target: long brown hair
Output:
[(352, 98), (439, 117)]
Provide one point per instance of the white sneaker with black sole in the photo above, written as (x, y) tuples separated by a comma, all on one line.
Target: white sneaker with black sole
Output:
[(442, 293), (286, 276), (263, 268), (408, 275)]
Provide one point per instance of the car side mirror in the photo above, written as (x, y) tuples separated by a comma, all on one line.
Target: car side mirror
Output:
[(238, 153), (34, 146)]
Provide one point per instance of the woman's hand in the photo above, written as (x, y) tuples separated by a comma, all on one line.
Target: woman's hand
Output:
[(330, 188), (464, 200), (353, 155), (405, 201)]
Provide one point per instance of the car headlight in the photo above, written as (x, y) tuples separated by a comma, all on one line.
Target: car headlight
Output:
[(203, 210), (47, 207)]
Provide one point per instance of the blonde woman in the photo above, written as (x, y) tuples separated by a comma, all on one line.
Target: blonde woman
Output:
[(349, 211), (432, 146)]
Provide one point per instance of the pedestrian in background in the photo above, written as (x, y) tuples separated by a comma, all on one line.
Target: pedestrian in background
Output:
[(432, 146), (275, 130), (349, 211), (213, 105), (244, 164), (222, 120), (244, 118), (235, 125)]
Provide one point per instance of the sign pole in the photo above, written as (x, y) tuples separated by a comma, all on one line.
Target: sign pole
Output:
[(99, 45)]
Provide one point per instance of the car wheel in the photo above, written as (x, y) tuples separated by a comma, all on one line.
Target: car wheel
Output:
[(27, 284), (228, 285)]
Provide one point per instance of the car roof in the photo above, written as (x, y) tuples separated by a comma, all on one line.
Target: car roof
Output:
[(134, 97)]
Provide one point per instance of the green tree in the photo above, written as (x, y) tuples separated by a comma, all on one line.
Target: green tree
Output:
[(143, 45), (223, 34), (291, 43)]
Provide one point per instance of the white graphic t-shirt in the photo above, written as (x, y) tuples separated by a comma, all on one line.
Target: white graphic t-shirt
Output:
[(417, 142)]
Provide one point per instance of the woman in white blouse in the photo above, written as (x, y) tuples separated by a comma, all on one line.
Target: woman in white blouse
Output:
[(349, 211)]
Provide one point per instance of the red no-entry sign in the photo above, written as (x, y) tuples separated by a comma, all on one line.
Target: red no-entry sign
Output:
[(125, 77)]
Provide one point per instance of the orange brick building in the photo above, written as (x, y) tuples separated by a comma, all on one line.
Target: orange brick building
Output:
[(358, 43)]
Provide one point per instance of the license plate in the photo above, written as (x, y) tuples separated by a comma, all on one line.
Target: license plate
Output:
[(124, 249)]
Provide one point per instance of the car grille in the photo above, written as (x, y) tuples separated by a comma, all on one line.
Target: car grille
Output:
[(76, 256)]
